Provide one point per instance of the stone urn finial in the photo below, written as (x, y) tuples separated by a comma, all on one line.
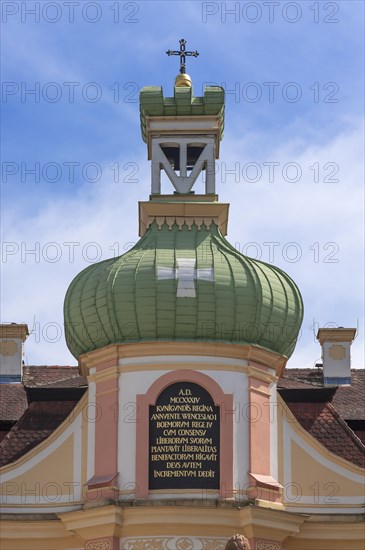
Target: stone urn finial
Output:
[(238, 542)]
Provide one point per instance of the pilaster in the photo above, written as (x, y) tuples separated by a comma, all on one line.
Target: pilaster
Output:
[(103, 485), (262, 484)]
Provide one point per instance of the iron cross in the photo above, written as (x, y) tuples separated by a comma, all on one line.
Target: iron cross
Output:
[(182, 53)]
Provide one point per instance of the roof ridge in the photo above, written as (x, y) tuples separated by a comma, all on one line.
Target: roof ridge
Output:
[(50, 366)]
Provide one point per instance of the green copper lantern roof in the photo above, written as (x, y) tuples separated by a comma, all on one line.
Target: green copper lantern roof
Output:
[(154, 104), (186, 284)]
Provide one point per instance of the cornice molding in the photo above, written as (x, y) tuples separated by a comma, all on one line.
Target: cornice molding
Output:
[(112, 353), (10, 331), (183, 213), (336, 335)]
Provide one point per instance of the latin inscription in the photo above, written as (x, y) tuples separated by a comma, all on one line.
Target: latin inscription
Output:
[(184, 439)]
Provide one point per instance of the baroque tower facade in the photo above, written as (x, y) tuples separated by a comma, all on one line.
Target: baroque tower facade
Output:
[(181, 438)]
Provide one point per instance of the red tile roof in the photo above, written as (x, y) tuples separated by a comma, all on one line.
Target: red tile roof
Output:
[(52, 377), (349, 401), (324, 423), (39, 420), (299, 378), (13, 402)]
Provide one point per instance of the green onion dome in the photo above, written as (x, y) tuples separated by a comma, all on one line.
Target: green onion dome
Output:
[(182, 284)]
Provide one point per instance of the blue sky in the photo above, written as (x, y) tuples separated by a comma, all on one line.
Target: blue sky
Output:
[(291, 162)]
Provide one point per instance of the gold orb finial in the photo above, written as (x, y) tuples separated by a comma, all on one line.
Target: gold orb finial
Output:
[(183, 80)]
